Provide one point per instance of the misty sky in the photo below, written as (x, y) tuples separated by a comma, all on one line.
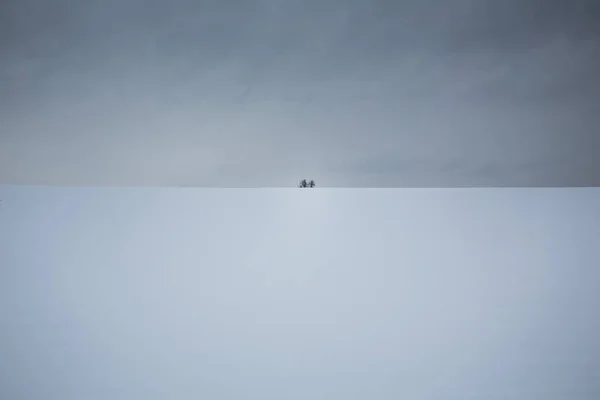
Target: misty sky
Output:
[(337, 294), (265, 92)]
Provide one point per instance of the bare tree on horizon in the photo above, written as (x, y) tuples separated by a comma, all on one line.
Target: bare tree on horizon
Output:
[(305, 184)]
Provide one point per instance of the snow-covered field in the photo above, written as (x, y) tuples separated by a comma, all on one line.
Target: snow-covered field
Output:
[(299, 294)]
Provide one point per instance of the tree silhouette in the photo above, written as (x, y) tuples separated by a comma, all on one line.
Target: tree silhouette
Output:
[(305, 184)]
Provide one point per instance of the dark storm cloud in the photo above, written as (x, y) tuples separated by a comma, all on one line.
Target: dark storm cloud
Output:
[(264, 92)]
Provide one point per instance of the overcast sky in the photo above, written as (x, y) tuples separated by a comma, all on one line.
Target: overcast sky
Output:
[(266, 92), (335, 294)]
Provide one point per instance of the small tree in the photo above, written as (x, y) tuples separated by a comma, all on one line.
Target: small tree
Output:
[(305, 184)]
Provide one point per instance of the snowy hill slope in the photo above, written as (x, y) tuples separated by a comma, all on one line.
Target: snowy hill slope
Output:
[(295, 294)]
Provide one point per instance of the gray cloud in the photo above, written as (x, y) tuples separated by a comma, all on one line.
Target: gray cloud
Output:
[(246, 93)]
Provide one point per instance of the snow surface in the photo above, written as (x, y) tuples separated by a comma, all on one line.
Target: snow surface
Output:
[(299, 294)]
